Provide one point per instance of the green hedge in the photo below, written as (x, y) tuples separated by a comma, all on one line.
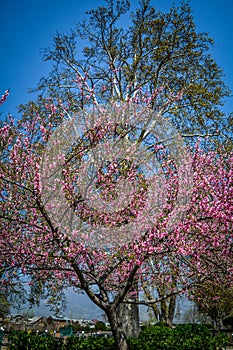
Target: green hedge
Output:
[(182, 337), (90, 343), (20, 340), (158, 337)]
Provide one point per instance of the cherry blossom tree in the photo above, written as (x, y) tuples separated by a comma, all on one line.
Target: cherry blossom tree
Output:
[(155, 49), (109, 198)]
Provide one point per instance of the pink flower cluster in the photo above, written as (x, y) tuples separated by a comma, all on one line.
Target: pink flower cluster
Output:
[(4, 97)]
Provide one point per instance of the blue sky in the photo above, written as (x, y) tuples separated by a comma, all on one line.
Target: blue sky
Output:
[(26, 26)]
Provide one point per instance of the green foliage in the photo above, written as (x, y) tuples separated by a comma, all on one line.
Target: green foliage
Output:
[(100, 326), (155, 50), (4, 305), (193, 336), (20, 340), (182, 337), (228, 322), (214, 300), (90, 343), (158, 337)]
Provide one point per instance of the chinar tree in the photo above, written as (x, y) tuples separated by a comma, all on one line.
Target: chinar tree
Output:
[(155, 50)]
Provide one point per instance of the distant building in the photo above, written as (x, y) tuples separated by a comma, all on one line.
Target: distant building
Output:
[(37, 324), (16, 322), (57, 322)]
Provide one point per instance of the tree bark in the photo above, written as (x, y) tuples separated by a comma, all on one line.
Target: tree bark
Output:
[(164, 310), (168, 310), (129, 316), (117, 330)]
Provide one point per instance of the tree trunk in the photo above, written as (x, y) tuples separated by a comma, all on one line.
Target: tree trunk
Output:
[(164, 310), (117, 330), (172, 309), (168, 310), (129, 316)]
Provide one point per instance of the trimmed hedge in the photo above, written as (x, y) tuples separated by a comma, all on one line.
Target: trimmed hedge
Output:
[(158, 337), (182, 337), (20, 340)]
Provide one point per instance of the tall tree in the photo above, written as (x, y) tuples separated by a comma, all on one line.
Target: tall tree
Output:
[(154, 51)]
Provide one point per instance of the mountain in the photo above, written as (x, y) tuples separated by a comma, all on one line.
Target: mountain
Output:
[(79, 306)]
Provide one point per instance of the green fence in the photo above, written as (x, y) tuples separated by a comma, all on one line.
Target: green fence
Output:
[(1, 336), (66, 331)]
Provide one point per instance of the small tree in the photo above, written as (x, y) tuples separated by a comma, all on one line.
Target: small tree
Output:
[(215, 301), (100, 326)]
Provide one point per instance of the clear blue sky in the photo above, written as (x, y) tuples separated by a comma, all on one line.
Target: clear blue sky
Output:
[(26, 26)]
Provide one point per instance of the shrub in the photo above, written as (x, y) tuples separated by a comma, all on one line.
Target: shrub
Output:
[(90, 343), (154, 337), (192, 336), (21, 340), (182, 337)]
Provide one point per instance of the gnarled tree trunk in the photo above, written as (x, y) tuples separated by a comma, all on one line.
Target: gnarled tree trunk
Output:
[(129, 316), (117, 329), (164, 310)]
